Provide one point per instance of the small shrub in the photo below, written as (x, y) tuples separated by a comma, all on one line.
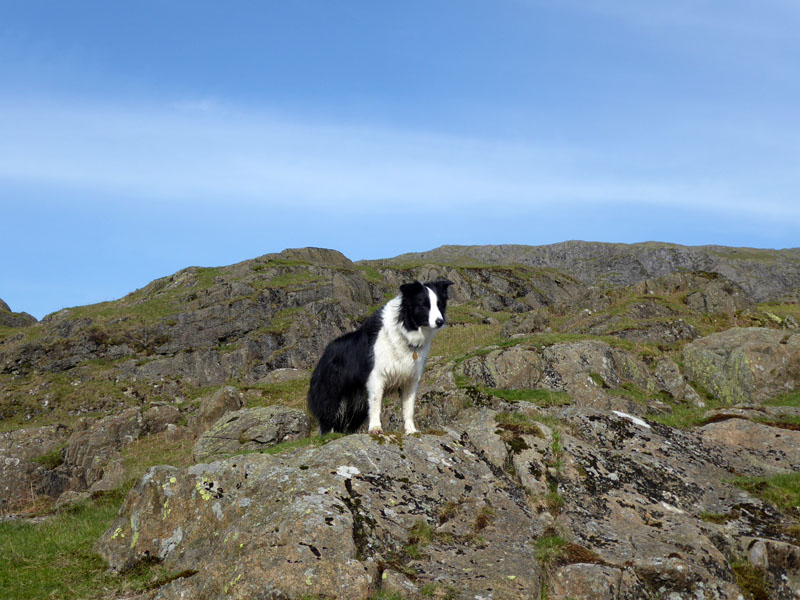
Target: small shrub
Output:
[(750, 579), (52, 459), (483, 518), (549, 548)]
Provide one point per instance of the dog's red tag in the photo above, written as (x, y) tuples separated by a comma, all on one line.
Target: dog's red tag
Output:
[(415, 355)]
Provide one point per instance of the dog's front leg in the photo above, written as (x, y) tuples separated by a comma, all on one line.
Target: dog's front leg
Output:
[(409, 395), (374, 398)]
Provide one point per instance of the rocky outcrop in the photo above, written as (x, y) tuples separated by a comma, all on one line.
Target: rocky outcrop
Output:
[(762, 274), (588, 370), (251, 429), (332, 521), (670, 379), (226, 399), (592, 505), (12, 319), (206, 326), (27, 459), (95, 443), (749, 364)]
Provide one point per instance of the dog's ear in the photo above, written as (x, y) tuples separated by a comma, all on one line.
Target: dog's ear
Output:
[(409, 289), (441, 287)]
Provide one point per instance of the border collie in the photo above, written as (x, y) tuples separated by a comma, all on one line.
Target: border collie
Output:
[(386, 353)]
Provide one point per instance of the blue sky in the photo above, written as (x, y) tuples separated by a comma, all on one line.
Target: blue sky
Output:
[(138, 138)]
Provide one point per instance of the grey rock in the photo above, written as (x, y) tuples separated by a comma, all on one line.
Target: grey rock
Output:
[(96, 442), (588, 370), (670, 379), (22, 480), (251, 429), (749, 364), (226, 399), (12, 319), (474, 501), (762, 274), (323, 521), (768, 449)]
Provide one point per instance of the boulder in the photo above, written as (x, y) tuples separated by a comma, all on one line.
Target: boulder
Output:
[(96, 442), (12, 319), (588, 370), (331, 521), (670, 379), (719, 296), (534, 321), (251, 429), (23, 479), (226, 399), (591, 505), (751, 364), (769, 448)]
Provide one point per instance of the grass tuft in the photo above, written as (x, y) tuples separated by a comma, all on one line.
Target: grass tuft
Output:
[(55, 559), (782, 490)]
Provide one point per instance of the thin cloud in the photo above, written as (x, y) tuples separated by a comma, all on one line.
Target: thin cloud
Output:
[(209, 154)]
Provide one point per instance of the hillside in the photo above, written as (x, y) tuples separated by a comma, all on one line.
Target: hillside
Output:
[(651, 388)]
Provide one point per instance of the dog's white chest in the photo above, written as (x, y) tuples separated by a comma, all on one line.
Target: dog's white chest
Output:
[(396, 362)]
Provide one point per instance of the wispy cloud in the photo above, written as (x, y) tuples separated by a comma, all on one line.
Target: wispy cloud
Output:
[(194, 151)]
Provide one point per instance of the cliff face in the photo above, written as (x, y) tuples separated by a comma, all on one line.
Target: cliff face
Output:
[(12, 319), (764, 274), (600, 421)]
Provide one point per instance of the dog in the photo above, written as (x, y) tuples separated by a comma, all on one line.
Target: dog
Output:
[(388, 352)]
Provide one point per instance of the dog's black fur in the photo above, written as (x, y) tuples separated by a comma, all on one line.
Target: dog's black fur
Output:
[(338, 395)]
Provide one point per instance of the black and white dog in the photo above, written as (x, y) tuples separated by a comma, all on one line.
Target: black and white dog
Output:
[(387, 352)]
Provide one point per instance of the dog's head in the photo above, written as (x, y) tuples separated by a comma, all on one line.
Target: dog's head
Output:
[(423, 304)]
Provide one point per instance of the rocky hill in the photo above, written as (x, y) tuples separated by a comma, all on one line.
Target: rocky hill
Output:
[(599, 421), (11, 319)]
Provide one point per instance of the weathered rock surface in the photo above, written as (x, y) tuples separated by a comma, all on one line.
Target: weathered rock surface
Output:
[(206, 326), (594, 503), (226, 399), (22, 480), (329, 521), (749, 364), (762, 274), (670, 379), (588, 370), (96, 442), (251, 429), (467, 512), (12, 319)]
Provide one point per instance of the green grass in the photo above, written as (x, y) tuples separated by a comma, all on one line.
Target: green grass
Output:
[(50, 460), (291, 278), (543, 398), (782, 490), (55, 559), (371, 274), (549, 548), (152, 450), (788, 399), (750, 579), (287, 393), (684, 416), (316, 441), (457, 340), (781, 310)]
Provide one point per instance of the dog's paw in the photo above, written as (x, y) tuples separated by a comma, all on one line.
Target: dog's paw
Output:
[(410, 430), (376, 431)]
